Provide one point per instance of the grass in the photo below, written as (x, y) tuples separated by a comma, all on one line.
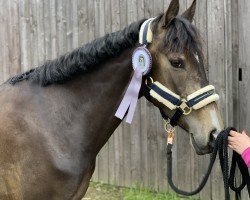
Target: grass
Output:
[(99, 191)]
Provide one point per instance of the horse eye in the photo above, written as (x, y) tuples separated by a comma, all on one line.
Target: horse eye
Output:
[(177, 63)]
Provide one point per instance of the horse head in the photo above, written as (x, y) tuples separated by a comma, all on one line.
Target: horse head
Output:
[(178, 64)]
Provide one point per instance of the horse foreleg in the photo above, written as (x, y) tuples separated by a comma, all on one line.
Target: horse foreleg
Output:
[(84, 183)]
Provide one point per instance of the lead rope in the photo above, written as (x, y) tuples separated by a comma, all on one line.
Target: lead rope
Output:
[(220, 146)]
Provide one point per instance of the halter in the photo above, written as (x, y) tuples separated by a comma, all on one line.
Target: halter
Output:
[(157, 91)]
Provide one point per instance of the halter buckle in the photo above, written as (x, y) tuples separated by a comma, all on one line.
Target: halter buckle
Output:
[(149, 80), (184, 107)]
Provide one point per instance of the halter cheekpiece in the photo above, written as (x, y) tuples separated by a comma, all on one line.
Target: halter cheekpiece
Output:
[(142, 64)]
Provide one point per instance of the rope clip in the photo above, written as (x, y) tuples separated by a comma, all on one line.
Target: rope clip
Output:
[(170, 131)]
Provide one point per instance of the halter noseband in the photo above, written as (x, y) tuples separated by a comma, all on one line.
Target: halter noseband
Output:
[(194, 101), (162, 94)]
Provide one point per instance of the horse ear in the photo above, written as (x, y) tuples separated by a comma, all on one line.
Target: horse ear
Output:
[(189, 13), (171, 13)]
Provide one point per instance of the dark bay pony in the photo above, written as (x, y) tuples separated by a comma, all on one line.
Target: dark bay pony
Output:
[(54, 119)]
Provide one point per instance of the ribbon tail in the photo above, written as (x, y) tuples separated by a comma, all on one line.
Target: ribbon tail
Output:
[(134, 100), (121, 111), (131, 96)]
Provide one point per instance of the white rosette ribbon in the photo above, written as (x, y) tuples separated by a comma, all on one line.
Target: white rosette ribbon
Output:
[(142, 62)]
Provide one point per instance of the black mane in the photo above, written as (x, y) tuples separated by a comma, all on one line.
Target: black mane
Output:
[(181, 36), (83, 59)]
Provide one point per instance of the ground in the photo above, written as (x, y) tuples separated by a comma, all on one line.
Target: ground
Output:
[(98, 191)]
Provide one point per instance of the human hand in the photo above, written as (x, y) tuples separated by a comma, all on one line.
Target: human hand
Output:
[(238, 142)]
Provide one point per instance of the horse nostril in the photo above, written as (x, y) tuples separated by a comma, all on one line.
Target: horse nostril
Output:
[(212, 137), (214, 134)]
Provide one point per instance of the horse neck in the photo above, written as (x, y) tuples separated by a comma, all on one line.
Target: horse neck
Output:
[(100, 93)]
